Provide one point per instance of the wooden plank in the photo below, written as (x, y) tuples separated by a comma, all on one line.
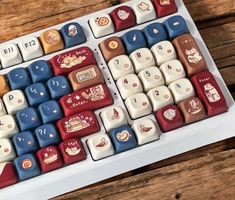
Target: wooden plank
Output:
[(228, 75)]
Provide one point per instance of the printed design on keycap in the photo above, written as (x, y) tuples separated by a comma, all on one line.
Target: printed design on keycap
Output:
[(194, 107), (52, 37), (165, 2), (169, 114), (27, 163), (211, 93), (72, 30), (72, 148), (49, 155), (123, 15), (102, 21), (193, 55), (145, 129), (123, 136), (103, 142)]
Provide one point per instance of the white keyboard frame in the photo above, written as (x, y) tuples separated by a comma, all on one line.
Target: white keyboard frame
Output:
[(170, 144)]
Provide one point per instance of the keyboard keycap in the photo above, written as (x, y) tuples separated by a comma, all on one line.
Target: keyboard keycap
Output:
[(4, 88), (73, 34), (51, 41), (79, 125), (8, 126), (91, 98), (7, 174), (164, 7), (100, 146), (209, 92), (7, 152), (30, 48), (189, 54), (2, 108), (69, 61)]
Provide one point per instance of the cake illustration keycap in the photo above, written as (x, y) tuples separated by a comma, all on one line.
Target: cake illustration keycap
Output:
[(209, 92), (8, 126), (4, 87), (7, 175), (164, 7), (90, 98), (78, 125), (7, 152)]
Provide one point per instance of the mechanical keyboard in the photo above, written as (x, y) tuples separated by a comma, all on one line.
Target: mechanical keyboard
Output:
[(104, 94)]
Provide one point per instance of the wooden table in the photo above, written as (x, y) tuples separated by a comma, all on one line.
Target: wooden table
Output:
[(205, 173)]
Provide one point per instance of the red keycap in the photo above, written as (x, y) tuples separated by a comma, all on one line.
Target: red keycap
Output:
[(7, 175), (78, 125), (169, 118), (49, 158), (123, 18), (69, 61), (164, 7), (72, 151), (91, 98), (209, 93)]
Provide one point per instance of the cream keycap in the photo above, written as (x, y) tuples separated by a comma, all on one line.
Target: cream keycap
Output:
[(14, 101), (163, 52), (8, 126), (129, 85), (160, 97), (146, 131), (120, 66), (113, 117), (7, 152), (10, 55), (151, 77), (30, 48), (181, 89), (138, 105), (142, 58), (2, 108), (172, 70)]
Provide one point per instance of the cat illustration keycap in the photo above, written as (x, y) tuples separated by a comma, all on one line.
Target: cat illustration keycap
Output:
[(73, 34), (10, 55), (14, 101), (49, 158), (72, 151), (7, 152), (26, 166), (8, 126), (189, 54), (2, 108), (101, 25), (164, 7), (8, 175), (113, 117), (209, 92), (138, 105), (146, 131), (100, 146), (30, 48), (78, 125), (47, 135), (51, 41), (91, 98), (4, 88)]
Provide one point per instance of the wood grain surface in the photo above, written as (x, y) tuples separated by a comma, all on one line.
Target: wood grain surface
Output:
[(204, 173)]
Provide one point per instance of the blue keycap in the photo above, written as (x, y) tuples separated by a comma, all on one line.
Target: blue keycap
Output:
[(58, 86), (37, 94), (50, 111), (123, 138), (73, 34), (40, 71), (26, 166), (133, 40), (175, 26), (154, 33), (19, 78), (47, 135), (25, 142), (28, 119)]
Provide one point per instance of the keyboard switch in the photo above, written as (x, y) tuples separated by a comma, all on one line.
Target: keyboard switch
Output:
[(7, 174), (7, 152), (8, 126)]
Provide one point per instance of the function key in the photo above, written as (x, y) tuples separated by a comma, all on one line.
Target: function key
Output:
[(101, 25), (2, 108), (8, 175), (164, 7), (4, 88), (30, 48), (189, 54), (73, 34), (7, 152), (8, 126), (123, 18), (51, 41)]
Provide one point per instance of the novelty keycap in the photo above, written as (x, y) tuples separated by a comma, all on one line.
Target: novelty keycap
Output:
[(7, 152), (8, 175), (8, 126), (164, 7)]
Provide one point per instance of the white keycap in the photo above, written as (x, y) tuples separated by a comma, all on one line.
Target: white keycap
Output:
[(129, 85), (30, 48), (172, 71), (8, 126), (9, 55), (101, 25), (144, 11), (113, 117), (151, 77), (181, 89), (100, 146), (142, 58), (14, 101), (160, 97), (146, 131), (7, 152), (120, 66), (163, 52), (2, 108), (138, 105)]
